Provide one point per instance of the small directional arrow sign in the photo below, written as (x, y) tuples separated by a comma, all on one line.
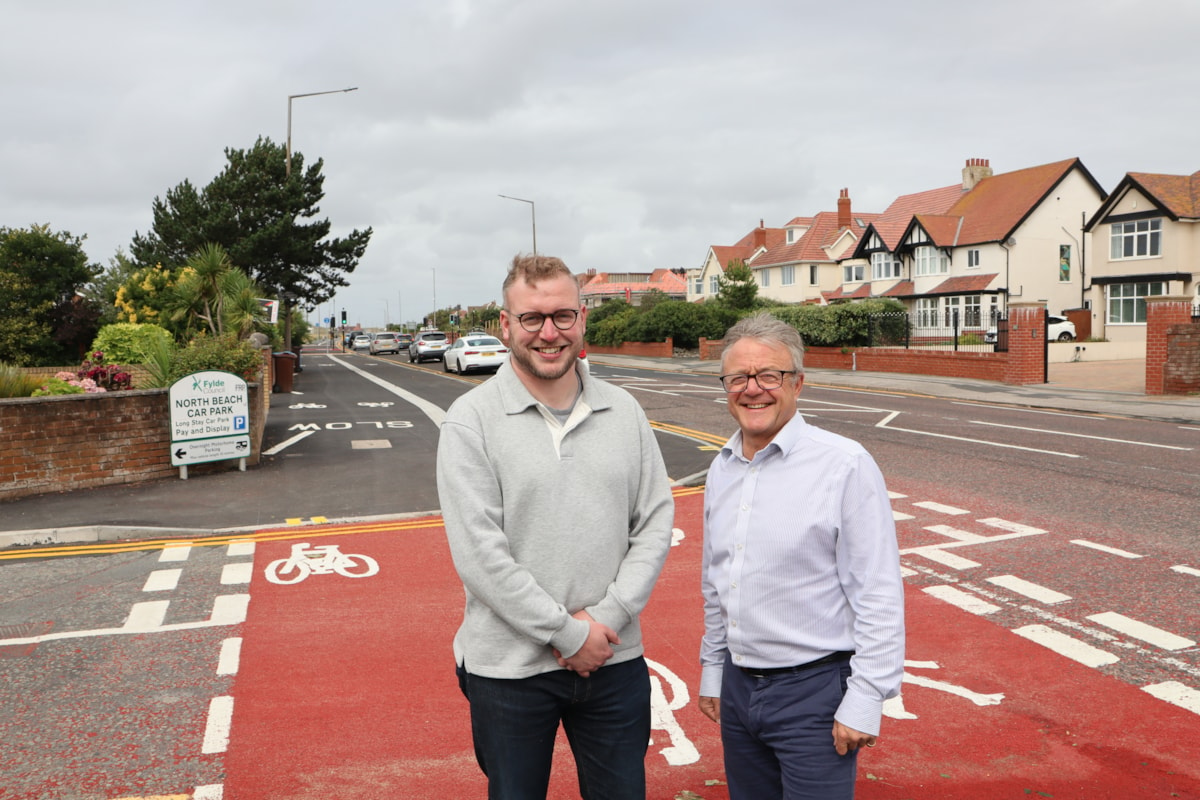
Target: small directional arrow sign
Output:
[(201, 451)]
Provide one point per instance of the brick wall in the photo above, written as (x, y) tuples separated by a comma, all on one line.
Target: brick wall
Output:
[(80, 441), (655, 349), (1169, 321)]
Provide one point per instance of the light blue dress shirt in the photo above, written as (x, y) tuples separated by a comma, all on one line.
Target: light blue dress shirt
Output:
[(801, 560)]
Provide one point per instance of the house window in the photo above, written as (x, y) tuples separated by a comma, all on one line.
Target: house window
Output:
[(952, 308), (764, 277), (931, 261), (927, 312), (972, 311), (791, 235), (853, 273), (884, 265), (1127, 301), (812, 274), (973, 258), (789, 275), (1064, 263), (698, 285), (1139, 239), (714, 285)]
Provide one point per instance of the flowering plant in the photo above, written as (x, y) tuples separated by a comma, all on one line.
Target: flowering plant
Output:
[(91, 377)]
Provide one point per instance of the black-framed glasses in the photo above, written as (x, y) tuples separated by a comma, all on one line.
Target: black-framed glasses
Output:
[(533, 321), (767, 380)]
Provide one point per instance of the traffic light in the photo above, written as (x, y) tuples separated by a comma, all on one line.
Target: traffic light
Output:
[(343, 317)]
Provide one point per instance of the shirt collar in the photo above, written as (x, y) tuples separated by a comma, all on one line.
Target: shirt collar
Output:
[(515, 398), (786, 439)]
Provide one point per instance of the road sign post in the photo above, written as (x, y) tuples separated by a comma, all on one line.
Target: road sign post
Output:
[(210, 419)]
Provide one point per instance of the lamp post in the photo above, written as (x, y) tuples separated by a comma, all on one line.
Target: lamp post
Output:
[(287, 320), (533, 215), (292, 97)]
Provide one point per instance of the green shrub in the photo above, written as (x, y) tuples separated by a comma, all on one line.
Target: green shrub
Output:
[(226, 353), (15, 382), (841, 324), (56, 386), (131, 343)]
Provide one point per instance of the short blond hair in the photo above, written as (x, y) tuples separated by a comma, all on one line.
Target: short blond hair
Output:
[(533, 269)]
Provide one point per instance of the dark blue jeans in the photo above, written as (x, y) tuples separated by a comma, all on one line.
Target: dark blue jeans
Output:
[(777, 734), (606, 718)]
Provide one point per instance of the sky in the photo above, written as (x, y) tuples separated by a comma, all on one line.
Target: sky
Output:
[(643, 131)]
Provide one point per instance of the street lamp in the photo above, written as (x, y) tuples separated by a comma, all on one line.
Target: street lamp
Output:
[(533, 214), (292, 97)]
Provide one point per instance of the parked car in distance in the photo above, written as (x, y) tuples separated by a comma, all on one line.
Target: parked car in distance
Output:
[(361, 342), (475, 352), (1058, 329), (403, 341), (427, 345), (384, 343)]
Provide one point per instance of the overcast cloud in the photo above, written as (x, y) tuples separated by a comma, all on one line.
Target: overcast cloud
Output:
[(644, 130)]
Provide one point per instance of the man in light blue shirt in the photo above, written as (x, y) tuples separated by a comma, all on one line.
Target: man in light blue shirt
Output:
[(803, 599)]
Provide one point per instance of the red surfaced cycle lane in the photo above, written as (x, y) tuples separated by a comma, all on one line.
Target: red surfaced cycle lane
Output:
[(346, 688)]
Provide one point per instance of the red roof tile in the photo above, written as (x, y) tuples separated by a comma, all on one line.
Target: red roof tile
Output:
[(998, 204), (963, 284), (893, 222), (1179, 195), (901, 289)]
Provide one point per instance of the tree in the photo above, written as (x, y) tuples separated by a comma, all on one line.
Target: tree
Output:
[(42, 321), (736, 287), (102, 291), (256, 212), (212, 291)]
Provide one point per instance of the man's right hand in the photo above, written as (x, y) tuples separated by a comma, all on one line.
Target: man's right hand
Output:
[(711, 708), (596, 650)]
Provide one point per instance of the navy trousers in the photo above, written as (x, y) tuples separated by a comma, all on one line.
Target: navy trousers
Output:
[(777, 734), (606, 718)]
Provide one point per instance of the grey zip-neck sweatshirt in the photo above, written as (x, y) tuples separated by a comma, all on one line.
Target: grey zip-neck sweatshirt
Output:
[(545, 520)]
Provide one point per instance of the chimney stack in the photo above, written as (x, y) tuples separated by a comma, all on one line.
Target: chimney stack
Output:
[(976, 170), (843, 217), (760, 235)]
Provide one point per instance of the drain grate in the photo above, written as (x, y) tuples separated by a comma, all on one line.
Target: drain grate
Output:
[(22, 631)]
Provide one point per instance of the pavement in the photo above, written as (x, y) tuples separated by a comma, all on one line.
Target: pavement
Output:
[(1111, 388)]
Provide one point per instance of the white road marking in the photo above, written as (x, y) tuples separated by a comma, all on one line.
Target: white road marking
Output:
[(929, 505), (896, 495), (227, 610), (288, 443), (162, 580), (231, 656), (899, 516), (1067, 646), (230, 609), (435, 414), (961, 599), (237, 572), (1176, 693), (216, 730), (244, 547), (172, 552), (1140, 630), (936, 553), (1030, 590), (1186, 570), (1105, 549), (210, 791), (146, 616), (1014, 527), (1077, 435), (886, 423), (956, 534)]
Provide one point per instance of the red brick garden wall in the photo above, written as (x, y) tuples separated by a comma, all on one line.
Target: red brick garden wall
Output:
[(654, 349), (1172, 346)]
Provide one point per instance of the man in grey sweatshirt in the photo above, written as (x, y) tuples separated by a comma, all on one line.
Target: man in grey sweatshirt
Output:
[(558, 512)]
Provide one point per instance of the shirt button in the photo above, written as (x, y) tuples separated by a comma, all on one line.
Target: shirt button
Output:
[(745, 507), (737, 658)]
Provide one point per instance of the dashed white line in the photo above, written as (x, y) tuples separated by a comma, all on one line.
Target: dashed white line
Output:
[(1177, 694), (961, 599), (162, 580), (1012, 527), (1140, 630), (230, 657), (237, 572), (1030, 590), (210, 791), (929, 505), (899, 516), (1079, 435), (1186, 570), (1104, 548), (216, 730), (957, 535), (243, 547), (179, 552), (230, 609), (936, 553), (1067, 646), (145, 616)]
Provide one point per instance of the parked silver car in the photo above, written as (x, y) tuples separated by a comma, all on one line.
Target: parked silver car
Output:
[(385, 342), (427, 345)]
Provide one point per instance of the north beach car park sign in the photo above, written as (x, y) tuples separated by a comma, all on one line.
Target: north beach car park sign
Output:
[(210, 419)]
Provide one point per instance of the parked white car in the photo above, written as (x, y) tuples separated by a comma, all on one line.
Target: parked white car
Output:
[(1058, 329)]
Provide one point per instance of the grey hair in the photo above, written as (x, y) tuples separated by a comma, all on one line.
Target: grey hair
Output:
[(766, 328)]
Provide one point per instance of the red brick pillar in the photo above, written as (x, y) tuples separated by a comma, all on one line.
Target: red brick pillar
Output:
[(1162, 312), (1026, 344)]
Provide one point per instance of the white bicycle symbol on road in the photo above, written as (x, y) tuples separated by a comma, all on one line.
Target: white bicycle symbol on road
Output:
[(321, 560)]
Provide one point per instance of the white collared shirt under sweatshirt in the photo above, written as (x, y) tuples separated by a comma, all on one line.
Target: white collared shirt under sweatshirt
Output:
[(547, 518), (801, 560)]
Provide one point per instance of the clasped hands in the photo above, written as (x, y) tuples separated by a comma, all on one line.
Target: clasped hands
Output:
[(596, 650)]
